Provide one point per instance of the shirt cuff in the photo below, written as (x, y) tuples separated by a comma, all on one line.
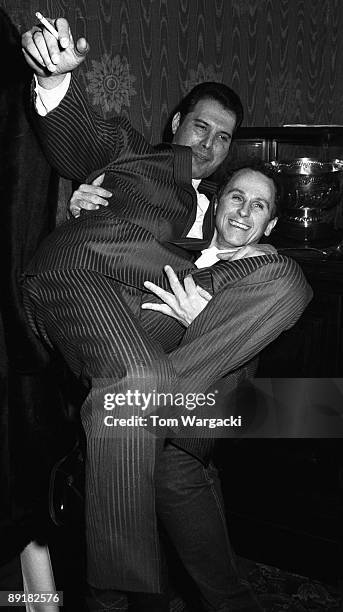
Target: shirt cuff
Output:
[(48, 99)]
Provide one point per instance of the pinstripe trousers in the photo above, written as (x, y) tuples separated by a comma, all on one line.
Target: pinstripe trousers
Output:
[(83, 314)]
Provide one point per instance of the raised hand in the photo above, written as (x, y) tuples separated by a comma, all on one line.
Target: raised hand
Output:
[(50, 58), (184, 303)]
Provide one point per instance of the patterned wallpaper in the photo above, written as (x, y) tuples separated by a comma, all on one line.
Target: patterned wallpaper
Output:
[(284, 57)]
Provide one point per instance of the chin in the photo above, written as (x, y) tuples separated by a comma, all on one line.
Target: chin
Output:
[(234, 243), (198, 174)]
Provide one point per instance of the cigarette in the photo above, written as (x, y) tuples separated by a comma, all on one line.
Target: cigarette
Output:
[(47, 25)]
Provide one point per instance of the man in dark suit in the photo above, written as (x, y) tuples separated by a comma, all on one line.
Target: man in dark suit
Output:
[(84, 290)]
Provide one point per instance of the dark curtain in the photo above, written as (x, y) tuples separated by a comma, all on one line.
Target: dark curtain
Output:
[(33, 425)]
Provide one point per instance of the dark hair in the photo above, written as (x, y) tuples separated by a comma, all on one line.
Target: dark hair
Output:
[(257, 165), (213, 91)]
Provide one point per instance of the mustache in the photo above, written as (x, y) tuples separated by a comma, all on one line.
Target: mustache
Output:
[(201, 155)]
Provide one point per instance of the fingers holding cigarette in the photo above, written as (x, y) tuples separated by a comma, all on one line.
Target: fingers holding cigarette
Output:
[(62, 33), (47, 25), (49, 48), (55, 40), (42, 45)]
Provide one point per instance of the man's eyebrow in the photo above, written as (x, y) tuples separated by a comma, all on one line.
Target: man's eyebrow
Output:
[(234, 189)]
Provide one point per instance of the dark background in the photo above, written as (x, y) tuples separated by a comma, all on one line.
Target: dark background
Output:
[(283, 57)]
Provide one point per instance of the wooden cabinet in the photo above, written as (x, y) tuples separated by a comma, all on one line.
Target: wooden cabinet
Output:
[(313, 348), (278, 143)]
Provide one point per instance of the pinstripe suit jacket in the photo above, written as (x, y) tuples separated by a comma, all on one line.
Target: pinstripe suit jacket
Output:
[(153, 204)]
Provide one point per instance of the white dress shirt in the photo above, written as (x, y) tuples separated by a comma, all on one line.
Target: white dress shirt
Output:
[(203, 204), (48, 99), (209, 257)]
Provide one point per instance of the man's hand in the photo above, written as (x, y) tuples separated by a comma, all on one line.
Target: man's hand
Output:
[(249, 250), (89, 197), (51, 59), (184, 303)]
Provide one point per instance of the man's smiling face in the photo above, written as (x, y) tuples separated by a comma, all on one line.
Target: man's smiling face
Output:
[(208, 130), (245, 209)]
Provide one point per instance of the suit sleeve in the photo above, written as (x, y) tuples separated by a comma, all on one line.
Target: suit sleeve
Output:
[(77, 141), (240, 321)]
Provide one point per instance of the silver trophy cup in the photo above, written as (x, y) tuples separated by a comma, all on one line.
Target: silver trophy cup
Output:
[(311, 192)]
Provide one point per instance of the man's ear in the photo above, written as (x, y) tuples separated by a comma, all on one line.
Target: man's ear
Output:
[(175, 122), (270, 226)]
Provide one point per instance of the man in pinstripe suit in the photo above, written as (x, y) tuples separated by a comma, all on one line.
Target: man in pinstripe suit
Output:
[(84, 289)]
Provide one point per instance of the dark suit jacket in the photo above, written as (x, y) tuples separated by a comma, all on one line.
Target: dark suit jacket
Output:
[(153, 204)]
